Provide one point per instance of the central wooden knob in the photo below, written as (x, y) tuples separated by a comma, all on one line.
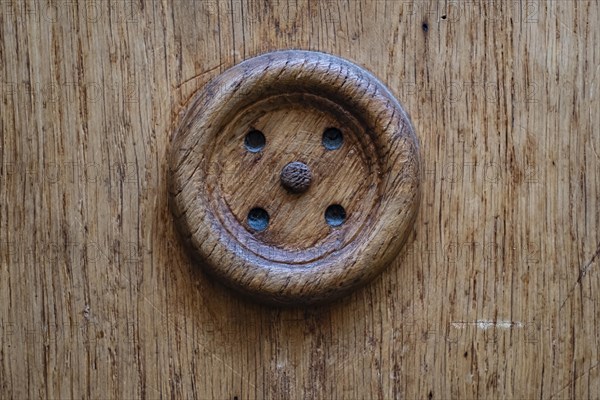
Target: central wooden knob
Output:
[(296, 177)]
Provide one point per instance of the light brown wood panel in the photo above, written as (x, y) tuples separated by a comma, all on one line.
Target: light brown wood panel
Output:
[(496, 295)]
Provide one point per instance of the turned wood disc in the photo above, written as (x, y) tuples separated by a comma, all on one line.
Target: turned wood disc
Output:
[(294, 177)]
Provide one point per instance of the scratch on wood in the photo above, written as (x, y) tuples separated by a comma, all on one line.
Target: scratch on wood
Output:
[(487, 324), (583, 271)]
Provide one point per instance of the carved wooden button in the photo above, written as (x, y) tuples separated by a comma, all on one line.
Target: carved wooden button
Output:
[(294, 177)]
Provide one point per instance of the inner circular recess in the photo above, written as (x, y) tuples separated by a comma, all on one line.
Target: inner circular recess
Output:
[(294, 124)]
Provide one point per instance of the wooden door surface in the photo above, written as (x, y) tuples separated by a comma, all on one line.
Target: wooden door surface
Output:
[(496, 294)]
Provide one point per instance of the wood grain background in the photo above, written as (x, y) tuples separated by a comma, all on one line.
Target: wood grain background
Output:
[(496, 296)]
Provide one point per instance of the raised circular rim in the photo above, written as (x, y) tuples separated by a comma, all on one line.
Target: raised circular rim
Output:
[(341, 82)]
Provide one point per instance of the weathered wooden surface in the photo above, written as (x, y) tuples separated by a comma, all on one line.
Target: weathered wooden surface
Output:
[(496, 297)]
